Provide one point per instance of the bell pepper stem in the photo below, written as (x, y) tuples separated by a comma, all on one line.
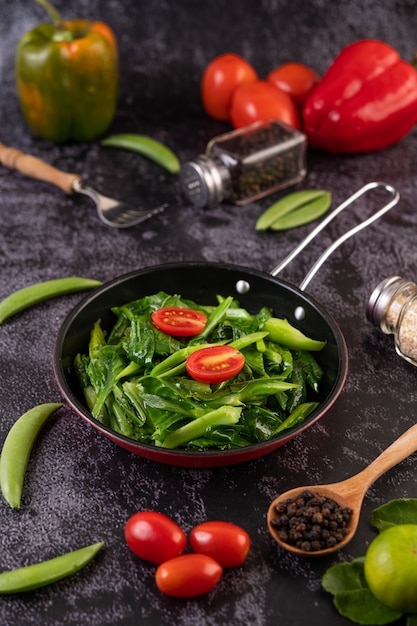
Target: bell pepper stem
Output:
[(54, 15)]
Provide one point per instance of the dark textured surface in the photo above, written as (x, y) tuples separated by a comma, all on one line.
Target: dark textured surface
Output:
[(82, 488)]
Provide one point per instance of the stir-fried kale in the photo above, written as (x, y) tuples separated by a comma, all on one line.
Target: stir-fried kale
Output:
[(135, 381)]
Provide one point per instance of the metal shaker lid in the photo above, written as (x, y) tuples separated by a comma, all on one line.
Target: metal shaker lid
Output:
[(381, 298), (202, 181)]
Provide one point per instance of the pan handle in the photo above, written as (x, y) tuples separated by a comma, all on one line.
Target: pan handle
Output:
[(317, 265)]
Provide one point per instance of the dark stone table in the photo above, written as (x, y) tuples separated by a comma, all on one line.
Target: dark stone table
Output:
[(81, 487)]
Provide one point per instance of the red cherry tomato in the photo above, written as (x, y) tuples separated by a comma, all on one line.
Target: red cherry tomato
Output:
[(179, 321), (220, 79), (188, 575), (262, 101), (295, 79), (154, 536), (215, 364), (225, 542)]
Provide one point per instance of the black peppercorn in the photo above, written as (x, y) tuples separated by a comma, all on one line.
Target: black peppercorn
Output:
[(311, 522)]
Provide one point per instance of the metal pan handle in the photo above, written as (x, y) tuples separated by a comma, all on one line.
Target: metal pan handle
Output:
[(317, 265)]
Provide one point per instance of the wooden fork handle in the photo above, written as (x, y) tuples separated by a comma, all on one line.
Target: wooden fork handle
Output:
[(36, 168)]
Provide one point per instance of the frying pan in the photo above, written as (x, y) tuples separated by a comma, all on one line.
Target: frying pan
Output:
[(201, 282)]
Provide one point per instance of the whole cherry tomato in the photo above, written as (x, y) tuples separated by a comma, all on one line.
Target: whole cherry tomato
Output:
[(262, 101), (225, 542), (154, 536), (296, 79), (214, 364), (179, 321), (220, 79), (188, 575)]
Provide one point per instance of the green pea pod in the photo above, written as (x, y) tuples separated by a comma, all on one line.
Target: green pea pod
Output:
[(148, 147), (282, 332), (17, 448), (286, 205), (39, 292), (305, 213), (47, 572)]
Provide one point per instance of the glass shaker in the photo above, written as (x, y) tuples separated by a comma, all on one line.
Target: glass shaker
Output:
[(392, 308), (246, 164)]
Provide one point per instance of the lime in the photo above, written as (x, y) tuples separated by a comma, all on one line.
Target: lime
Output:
[(391, 567)]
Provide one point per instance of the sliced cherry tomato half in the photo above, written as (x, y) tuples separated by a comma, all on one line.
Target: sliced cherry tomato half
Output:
[(220, 79), (261, 100), (188, 575), (215, 364), (297, 79), (179, 321), (154, 537), (225, 542)]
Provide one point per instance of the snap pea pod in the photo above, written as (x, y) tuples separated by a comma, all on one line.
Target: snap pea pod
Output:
[(39, 292), (148, 147), (295, 209), (47, 572), (304, 214), (17, 448)]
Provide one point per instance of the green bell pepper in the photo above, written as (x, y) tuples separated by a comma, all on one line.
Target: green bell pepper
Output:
[(67, 76)]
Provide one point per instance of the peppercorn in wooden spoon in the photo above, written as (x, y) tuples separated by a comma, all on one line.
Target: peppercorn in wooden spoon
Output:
[(317, 520)]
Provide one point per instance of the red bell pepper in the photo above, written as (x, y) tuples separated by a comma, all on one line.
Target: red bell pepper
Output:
[(366, 101)]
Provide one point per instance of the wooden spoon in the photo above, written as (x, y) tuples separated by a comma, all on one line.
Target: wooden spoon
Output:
[(350, 492)]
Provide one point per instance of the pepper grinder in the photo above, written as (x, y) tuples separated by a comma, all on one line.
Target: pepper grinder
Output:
[(246, 164)]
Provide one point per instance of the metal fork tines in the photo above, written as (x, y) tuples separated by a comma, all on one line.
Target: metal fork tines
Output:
[(113, 212)]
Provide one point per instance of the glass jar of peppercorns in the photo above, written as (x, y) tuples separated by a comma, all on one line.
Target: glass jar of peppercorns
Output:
[(246, 164), (392, 308)]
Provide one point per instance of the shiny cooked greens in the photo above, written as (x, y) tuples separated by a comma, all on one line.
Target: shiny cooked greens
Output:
[(135, 382)]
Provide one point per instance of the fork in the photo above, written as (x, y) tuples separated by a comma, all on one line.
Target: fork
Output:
[(110, 211)]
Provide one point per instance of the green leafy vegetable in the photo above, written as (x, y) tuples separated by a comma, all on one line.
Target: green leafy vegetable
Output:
[(352, 596), (295, 209), (394, 513), (134, 377)]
